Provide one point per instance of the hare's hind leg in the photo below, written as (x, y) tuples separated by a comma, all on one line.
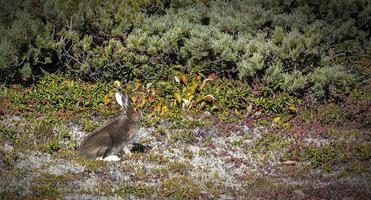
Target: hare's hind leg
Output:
[(104, 154), (102, 145), (106, 148)]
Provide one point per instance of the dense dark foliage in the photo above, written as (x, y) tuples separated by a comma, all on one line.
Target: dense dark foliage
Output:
[(288, 45)]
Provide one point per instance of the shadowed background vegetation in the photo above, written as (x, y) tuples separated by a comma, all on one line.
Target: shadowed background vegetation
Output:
[(317, 47)]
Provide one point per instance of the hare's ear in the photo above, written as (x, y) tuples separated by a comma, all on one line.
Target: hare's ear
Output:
[(125, 99), (122, 100)]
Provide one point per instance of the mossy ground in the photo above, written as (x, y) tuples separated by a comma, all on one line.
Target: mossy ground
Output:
[(315, 151)]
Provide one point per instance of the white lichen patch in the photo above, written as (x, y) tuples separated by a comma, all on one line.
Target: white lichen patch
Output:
[(119, 175), (143, 133), (76, 132), (215, 159), (62, 167), (33, 160), (45, 163), (89, 197), (318, 142), (88, 184), (220, 161), (21, 181)]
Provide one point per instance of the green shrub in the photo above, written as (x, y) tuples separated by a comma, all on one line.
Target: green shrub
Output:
[(321, 78), (53, 34), (285, 45), (54, 93)]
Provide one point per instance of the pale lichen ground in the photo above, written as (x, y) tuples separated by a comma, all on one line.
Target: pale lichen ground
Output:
[(204, 162)]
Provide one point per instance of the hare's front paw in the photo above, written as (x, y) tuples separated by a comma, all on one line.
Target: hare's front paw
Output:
[(110, 158)]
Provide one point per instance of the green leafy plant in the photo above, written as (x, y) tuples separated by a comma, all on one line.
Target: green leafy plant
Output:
[(297, 48), (53, 146), (54, 93)]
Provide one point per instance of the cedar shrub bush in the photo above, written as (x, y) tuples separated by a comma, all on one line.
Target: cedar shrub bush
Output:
[(287, 45)]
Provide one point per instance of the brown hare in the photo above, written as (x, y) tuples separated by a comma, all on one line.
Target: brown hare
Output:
[(114, 136)]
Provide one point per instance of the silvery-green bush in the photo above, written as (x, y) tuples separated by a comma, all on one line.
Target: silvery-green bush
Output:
[(293, 46)]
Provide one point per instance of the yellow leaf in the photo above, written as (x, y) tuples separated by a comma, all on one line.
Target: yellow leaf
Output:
[(106, 100), (197, 78), (141, 104), (184, 79), (69, 82), (133, 99), (164, 110), (111, 93), (237, 111), (277, 120), (292, 107), (199, 98), (191, 89), (137, 84), (157, 108), (178, 98), (116, 83), (194, 86)]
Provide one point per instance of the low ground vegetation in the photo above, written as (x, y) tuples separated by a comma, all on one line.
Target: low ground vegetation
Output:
[(258, 99), (303, 148)]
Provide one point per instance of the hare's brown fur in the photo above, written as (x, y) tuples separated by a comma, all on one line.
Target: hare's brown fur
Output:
[(113, 136)]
